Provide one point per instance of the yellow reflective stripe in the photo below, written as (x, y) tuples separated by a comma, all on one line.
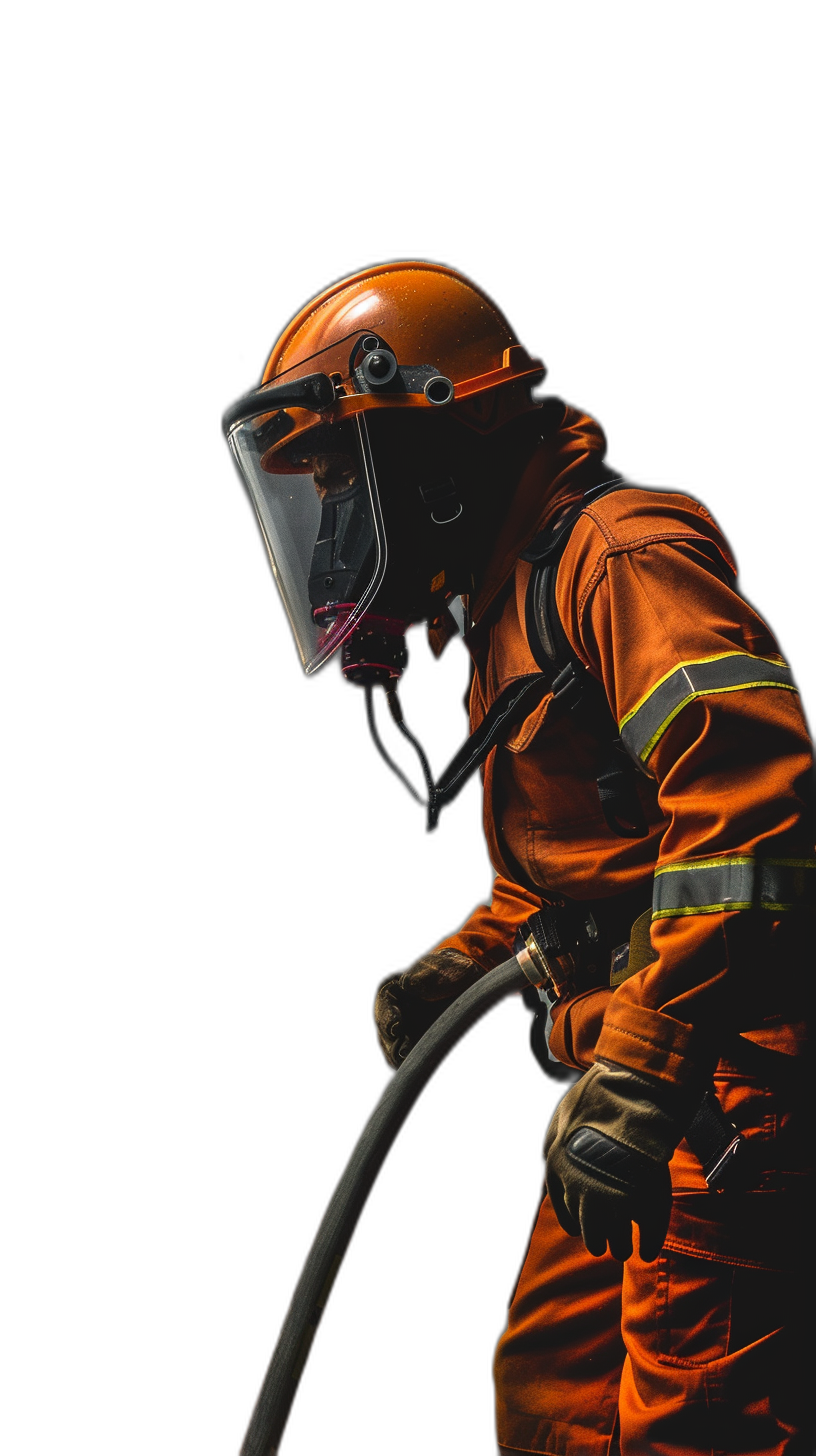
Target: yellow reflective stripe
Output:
[(693, 662), (732, 859), (784, 907), (723, 672), (735, 882), (674, 914), (709, 693)]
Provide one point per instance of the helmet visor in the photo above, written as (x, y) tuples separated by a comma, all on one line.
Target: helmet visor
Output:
[(321, 523)]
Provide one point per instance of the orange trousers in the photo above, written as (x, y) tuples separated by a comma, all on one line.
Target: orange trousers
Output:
[(698, 1352), (709, 1349)]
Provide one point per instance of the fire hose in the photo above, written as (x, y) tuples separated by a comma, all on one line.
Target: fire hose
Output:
[(711, 1136), (340, 1219)]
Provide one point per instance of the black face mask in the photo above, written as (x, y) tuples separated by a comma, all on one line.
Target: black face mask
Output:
[(344, 550)]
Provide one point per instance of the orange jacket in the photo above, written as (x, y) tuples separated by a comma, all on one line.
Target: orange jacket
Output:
[(705, 703)]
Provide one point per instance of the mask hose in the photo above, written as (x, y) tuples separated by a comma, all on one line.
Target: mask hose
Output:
[(395, 708)]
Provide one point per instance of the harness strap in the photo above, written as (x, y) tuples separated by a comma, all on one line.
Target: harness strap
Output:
[(575, 688)]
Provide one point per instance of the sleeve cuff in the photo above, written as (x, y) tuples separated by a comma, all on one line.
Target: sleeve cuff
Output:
[(647, 1041), (576, 1026)]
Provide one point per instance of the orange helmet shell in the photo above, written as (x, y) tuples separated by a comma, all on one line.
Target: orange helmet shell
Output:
[(428, 315)]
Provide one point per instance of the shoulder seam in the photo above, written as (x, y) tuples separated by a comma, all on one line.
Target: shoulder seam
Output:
[(620, 548), (605, 530)]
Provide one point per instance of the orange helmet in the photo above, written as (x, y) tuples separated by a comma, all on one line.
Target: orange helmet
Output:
[(396, 336), (449, 345)]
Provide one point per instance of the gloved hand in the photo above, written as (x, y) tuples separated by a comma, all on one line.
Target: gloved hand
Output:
[(608, 1149), (407, 1005)]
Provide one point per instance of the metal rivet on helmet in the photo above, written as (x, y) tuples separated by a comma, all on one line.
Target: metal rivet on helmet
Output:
[(378, 368), (439, 390)]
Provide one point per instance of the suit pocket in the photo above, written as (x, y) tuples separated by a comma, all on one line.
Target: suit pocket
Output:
[(708, 1310)]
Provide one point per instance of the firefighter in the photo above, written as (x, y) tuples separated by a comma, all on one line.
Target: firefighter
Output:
[(647, 775)]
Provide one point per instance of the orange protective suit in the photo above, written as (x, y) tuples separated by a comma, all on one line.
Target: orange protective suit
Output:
[(702, 1350)]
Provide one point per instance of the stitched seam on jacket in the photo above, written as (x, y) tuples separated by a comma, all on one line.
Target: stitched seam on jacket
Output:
[(638, 1036), (622, 548), (525, 736), (605, 529)]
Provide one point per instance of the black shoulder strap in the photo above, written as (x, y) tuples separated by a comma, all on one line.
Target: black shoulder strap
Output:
[(573, 687), (546, 637)]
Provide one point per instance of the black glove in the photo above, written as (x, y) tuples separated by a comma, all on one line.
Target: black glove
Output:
[(407, 1005), (608, 1149)]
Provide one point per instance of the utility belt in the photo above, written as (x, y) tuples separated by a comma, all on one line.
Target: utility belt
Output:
[(581, 945)]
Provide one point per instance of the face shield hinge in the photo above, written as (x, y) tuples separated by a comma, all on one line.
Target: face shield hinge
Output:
[(379, 373)]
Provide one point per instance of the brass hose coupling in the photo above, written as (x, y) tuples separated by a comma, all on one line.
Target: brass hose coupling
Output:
[(550, 946)]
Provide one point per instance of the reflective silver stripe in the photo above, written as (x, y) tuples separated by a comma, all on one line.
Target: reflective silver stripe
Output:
[(740, 882), (726, 673)]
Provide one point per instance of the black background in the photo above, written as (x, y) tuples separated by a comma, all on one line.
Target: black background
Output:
[(292, 869)]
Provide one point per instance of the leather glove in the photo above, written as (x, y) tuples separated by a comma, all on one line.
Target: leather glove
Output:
[(407, 1005), (608, 1149)]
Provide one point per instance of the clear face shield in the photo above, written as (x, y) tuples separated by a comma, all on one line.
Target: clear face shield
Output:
[(304, 450), (319, 514)]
